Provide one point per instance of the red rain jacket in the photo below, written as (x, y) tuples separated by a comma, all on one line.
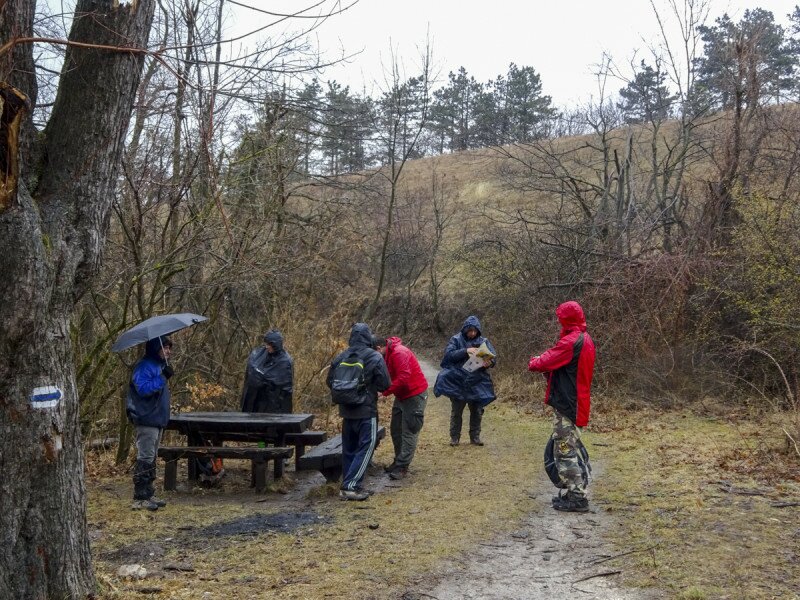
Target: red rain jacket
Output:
[(569, 366), (404, 369)]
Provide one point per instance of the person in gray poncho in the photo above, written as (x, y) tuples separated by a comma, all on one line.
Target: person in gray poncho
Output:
[(269, 378)]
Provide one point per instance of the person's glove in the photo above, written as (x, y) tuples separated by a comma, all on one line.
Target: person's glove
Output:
[(168, 371)]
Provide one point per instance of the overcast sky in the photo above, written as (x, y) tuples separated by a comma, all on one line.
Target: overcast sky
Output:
[(563, 41)]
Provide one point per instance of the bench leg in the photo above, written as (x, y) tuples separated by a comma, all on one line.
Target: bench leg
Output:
[(170, 474), (331, 473), (260, 475), (299, 450), (278, 468)]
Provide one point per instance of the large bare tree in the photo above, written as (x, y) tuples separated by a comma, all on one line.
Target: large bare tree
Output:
[(57, 190)]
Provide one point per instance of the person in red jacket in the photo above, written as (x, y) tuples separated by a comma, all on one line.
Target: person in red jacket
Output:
[(410, 390), (569, 366)]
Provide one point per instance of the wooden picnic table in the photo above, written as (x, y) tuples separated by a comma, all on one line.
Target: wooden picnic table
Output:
[(219, 427)]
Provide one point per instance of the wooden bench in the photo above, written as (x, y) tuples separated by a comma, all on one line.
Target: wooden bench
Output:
[(259, 457), (327, 457), (301, 440)]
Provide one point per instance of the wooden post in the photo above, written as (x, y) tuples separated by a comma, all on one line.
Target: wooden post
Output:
[(260, 471), (170, 473)]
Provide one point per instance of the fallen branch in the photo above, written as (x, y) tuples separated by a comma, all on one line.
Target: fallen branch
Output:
[(603, 574), (602, 560), (745, 492), (784, 504)]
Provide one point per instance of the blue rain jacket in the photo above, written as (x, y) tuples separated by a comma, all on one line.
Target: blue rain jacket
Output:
[(148, 392), (457, 383)]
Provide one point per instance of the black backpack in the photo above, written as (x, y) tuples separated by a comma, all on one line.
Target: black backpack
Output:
[(348, 385), (552, 469)]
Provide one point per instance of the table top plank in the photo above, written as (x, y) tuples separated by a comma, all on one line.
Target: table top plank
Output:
[(240, 422)]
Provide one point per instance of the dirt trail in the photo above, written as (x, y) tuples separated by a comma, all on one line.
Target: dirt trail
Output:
[(551, 555)]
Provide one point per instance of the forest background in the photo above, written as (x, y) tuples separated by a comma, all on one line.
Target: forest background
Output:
[(257, 195), (253, 192)]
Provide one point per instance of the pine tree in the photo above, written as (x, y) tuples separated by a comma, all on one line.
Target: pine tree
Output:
[(646, 98), (752, 60)]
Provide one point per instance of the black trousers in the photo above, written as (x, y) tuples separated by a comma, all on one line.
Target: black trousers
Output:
[(475, 416)]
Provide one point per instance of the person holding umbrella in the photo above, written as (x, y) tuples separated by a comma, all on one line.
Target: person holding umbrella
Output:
[(148, 409), (148, 404)]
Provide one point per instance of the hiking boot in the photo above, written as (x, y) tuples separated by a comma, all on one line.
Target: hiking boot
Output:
[(158, 502), (571, 503), (367, 491), (476, 441), (398, 473), (356, 495), (144, 504), (454, 441), (390, 467)]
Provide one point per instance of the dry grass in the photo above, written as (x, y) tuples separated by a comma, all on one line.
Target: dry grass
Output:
[(694, 496), (455, 497), (676, 485)]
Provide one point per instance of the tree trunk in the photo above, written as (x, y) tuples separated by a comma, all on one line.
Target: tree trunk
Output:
[(51, 237)]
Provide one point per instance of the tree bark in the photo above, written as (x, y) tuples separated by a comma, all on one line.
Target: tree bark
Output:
[(51, 239)]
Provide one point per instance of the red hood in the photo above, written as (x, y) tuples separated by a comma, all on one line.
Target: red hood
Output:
[(570, 315), (391, 342)]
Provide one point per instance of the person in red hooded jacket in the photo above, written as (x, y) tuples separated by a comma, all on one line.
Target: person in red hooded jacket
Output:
[(410, 390), (569, 366)]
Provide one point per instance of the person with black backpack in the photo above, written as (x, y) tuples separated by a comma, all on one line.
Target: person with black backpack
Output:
[(355, 378), (568, 366)]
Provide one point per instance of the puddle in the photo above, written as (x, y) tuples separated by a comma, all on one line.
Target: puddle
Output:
[(261, 523), (146, 551)]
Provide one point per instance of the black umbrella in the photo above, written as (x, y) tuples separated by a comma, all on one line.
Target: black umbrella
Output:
[(155, 327)]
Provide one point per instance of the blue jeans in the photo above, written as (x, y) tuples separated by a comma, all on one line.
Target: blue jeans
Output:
[(359, 437)]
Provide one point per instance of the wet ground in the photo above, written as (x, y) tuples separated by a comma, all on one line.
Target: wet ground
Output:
[(549, 555), (552, 555)]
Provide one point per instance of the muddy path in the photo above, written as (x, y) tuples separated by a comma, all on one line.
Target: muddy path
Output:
[(551, 554)]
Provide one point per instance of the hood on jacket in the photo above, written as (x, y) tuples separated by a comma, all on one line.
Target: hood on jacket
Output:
[(152, 347), (392, 342), (274, 337), (570, 315), (360, 336), (470, 321)]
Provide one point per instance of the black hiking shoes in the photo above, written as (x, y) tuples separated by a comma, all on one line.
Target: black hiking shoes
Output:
[(476, 441), (454, 441), (158, 502), (144, 504), (571, 503), (398, 473)]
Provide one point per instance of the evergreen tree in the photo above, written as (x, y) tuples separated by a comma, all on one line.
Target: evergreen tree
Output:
[(306, 117), (525, 107), (453, 111), (646, 98), (747, 62), (345, 125)]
